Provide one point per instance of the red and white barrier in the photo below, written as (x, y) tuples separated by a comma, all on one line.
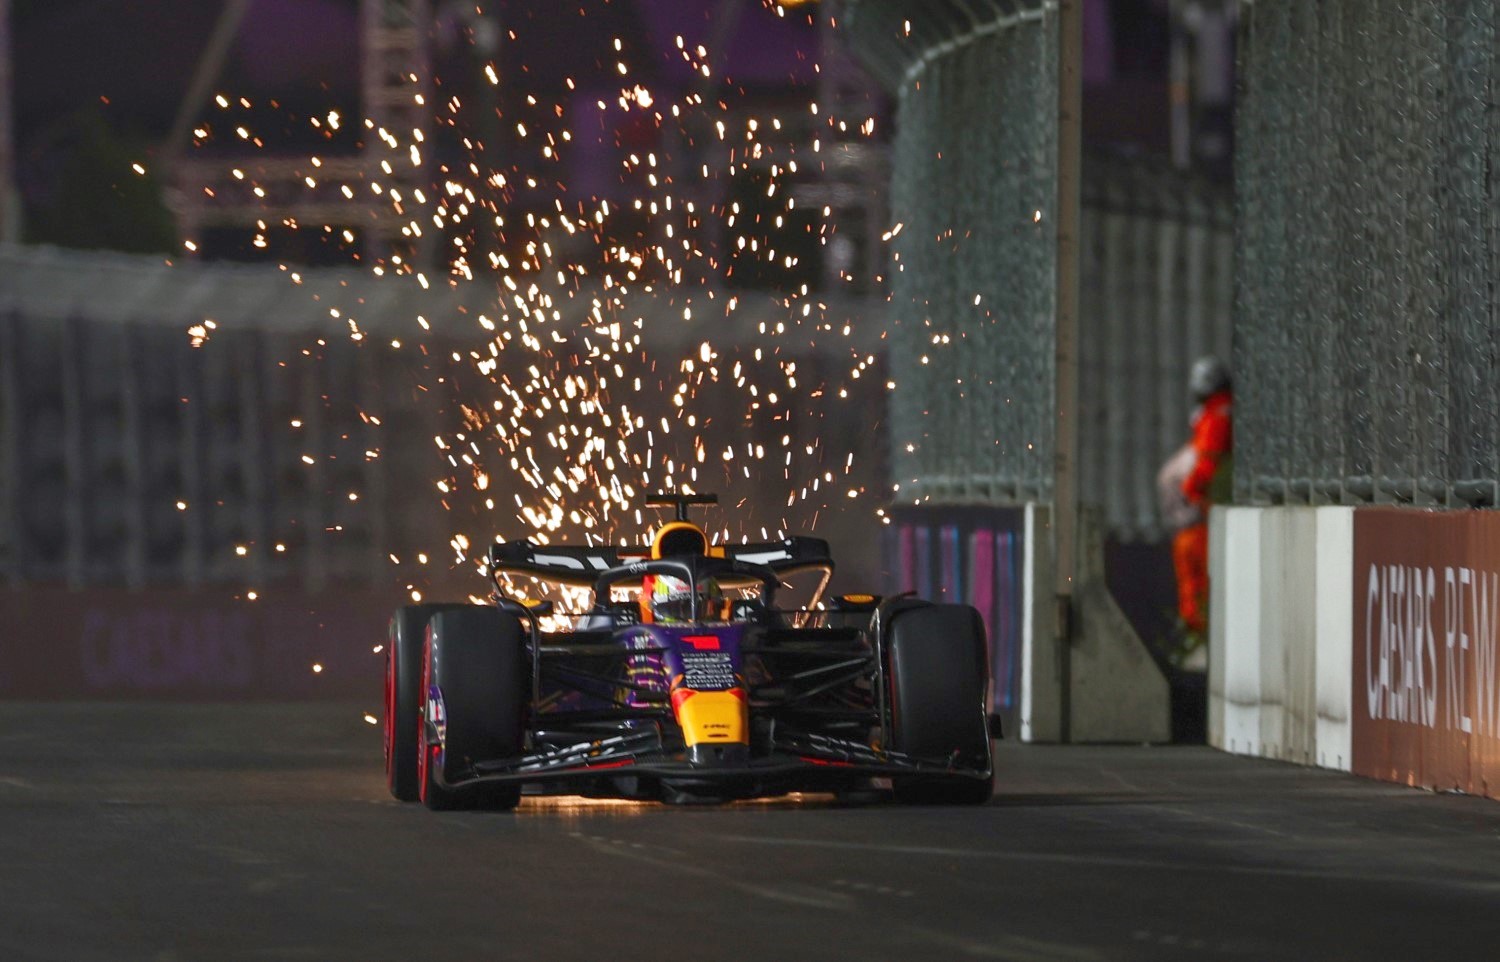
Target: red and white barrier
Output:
[(1362, 639)]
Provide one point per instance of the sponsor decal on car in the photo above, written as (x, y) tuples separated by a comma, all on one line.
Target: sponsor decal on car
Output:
[(437, 716), (707, 670)]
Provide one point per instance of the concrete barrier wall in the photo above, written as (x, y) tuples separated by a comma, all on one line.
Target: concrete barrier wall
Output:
[(1102, 684), (1288, 579), (1280, 634), (1234, 697), (1425, 706), (1333, 663), (1366, 640)]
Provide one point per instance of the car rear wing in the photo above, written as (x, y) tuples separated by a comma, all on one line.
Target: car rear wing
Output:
[(524, 557), (789, 557), (780, 556), (581, 567), (564, 564)]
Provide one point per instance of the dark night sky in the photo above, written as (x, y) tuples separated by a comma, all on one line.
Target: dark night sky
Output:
[(131, 61), (141, 54)]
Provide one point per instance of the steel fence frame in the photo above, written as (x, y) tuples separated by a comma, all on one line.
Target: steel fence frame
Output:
[(974, 260)]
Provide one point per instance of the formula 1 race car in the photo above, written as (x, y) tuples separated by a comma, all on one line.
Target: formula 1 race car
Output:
[(683, 681)]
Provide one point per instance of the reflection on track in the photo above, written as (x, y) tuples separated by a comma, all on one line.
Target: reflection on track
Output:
[(579, 806)]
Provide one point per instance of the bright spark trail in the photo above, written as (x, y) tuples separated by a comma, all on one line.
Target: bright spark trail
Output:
[(612, 359)]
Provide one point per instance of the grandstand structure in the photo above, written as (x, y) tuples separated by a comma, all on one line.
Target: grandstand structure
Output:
[(156, 418), (256, 192)]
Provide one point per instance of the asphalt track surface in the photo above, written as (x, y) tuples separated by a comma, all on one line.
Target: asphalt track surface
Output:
[(265, 832)]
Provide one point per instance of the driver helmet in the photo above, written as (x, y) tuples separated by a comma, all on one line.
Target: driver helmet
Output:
[(670, 599), (665, 599), (679, 538)]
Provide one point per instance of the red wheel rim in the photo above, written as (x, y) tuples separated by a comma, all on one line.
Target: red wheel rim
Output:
[(422, 761)]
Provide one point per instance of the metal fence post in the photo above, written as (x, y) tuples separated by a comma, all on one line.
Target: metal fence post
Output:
[(1065, 452)]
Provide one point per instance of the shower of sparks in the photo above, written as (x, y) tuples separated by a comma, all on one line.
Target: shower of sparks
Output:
[(566, 408)]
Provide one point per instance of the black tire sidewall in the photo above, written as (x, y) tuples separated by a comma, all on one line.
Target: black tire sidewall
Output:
[(477, 663), (937, 667)]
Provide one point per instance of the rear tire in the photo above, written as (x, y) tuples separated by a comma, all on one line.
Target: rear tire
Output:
[(474, 680), (937, 672), (403, 683)]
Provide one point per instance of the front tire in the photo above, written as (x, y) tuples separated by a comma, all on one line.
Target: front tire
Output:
[(474, 683), (937, 673), (403, 683)]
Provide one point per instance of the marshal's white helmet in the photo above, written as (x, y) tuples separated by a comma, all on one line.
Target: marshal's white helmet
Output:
[(1209, 376)]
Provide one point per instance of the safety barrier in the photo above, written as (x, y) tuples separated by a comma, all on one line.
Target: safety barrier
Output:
[(1365, 639), (206, 643), (971, 556), (1279, 584), (1100, 686)]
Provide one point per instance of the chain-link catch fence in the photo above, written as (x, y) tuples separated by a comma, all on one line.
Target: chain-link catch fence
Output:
[(1367, 186)]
